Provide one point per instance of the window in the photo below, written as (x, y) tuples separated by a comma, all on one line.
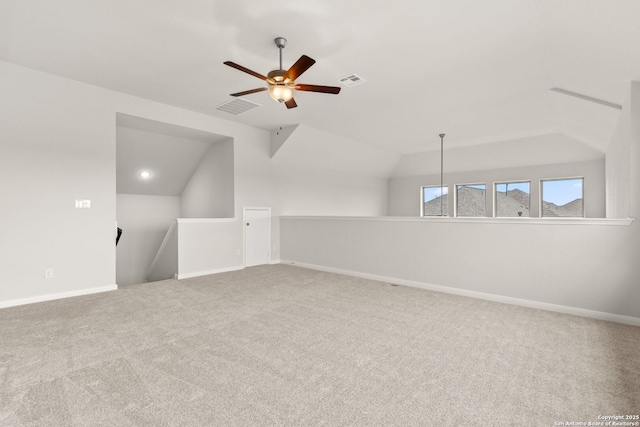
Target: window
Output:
[(513, 198), (562, 197), (471, 200), (434, 201)]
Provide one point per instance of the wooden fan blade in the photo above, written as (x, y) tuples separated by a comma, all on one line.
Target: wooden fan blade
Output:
[(315, 88), (299, 67), (247, 92), (244, 69), (291, 103)]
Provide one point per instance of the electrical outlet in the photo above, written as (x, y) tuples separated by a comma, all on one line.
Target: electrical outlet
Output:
[(238, 252), (48, 273)]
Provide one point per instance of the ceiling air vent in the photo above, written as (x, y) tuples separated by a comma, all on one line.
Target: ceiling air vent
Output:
[(352, 80), (237, 106)]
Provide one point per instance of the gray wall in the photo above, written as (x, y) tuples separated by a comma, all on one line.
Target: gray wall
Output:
[(144, 221), (404, 192), (589, 266), (210, 191)]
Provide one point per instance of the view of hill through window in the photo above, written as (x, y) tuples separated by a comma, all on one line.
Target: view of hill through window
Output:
[(433, 203), (471, 200), (513, 199), (559, 198), (562, 197)]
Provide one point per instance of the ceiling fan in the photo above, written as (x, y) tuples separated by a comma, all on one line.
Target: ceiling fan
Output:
[(282, 85)]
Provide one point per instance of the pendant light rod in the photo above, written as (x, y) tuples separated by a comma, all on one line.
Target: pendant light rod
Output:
[(441, 174)]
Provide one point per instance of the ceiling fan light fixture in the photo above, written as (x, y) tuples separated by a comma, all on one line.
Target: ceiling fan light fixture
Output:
[(280, 92), (282, 83)]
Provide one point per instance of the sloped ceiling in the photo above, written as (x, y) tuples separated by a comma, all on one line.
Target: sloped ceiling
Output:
[(312, 149), (480, 71), (546, 149), (169, 153)]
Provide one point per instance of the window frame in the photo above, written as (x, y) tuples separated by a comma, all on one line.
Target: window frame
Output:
[(455, 199), (495, 197), (541, 206), (422, 187)]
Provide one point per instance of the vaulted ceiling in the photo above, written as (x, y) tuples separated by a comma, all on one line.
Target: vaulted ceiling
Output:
[(169, 153), (480, 71)]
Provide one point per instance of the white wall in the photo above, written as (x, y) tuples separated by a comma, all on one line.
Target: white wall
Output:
[(578, 265), (165, 264), (404, 192), (208, 246), (58, 145), (210, 191), (144, 221), (312, 192), (618, 166), (318, 173), (632, 104)]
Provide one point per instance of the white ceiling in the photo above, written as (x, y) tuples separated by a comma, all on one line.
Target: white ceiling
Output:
[(547, 149), (169, 153), (480, 71)]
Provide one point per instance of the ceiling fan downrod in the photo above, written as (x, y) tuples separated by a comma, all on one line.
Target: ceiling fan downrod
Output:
[(280, 42)]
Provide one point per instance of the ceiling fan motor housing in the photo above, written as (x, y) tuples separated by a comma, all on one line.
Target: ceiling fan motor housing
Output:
[(277, 75), (280, 89)]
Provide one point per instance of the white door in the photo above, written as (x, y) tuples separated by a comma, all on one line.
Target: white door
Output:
[(257, 236)]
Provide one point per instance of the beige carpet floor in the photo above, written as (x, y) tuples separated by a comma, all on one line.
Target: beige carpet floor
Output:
[(282, 345)]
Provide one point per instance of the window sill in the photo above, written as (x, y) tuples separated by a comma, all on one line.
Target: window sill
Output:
[(505, 220)]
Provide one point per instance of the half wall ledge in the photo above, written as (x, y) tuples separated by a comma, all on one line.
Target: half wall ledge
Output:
[(521, 221)]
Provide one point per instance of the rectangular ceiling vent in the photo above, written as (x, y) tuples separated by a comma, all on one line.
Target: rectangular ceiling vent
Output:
[(352, 80), (237, 106)]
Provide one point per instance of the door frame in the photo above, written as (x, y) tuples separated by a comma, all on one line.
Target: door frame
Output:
[(244, 231)]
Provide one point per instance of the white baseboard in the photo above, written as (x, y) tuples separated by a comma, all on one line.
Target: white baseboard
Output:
[(205, 273), (51, 297), (592, 314), (275, 261)]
